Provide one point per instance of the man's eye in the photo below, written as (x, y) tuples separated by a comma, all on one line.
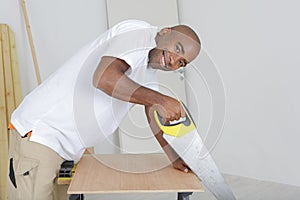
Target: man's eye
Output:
[(177, 49)]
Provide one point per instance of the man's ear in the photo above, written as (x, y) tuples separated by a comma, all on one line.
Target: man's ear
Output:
[(165, 31)]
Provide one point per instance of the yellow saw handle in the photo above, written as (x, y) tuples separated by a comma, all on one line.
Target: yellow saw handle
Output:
[(178, 129)]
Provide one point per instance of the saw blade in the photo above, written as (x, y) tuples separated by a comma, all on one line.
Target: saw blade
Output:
[(194, 153)]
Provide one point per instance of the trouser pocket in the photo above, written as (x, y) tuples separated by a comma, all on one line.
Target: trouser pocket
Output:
[(25, 173), (12, 173)]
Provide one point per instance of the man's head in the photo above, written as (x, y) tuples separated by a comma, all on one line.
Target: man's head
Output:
[(175, 47)]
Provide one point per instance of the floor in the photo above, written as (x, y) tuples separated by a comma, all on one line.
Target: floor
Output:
[(243, 188)]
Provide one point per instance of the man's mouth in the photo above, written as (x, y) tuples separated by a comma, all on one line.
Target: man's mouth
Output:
[(163, 60)]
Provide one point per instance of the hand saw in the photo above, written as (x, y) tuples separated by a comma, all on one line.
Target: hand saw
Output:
[(183, 137)]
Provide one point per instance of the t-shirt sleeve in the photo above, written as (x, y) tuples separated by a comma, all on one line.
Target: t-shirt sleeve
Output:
[(131, 46)]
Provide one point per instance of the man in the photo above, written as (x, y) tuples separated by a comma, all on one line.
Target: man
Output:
[(86, 99)]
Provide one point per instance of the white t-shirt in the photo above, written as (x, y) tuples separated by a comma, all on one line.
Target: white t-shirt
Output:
[(66, 112)]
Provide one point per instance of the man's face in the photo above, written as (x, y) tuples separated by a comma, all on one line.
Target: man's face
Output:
[(174, 50)]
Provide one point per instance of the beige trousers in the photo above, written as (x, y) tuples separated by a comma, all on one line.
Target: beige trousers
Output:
[(32, 171)]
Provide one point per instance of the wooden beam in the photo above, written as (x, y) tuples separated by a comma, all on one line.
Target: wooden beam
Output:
[(29, 35), (10, 95), (3, 122), (15, 69), (9, 88)]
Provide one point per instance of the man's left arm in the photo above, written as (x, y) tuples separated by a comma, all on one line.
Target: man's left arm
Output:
[(177, 162)]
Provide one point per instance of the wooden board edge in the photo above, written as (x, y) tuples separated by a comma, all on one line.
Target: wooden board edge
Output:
[(15, 69), (3, 124)]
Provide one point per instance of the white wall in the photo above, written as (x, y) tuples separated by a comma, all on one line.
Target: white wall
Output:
[(255, 45), (59, 28)]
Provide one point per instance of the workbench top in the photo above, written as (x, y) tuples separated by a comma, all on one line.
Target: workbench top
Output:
[(122, 173)]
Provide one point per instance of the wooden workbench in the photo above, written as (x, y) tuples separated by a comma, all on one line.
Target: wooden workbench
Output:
[(123, 173)]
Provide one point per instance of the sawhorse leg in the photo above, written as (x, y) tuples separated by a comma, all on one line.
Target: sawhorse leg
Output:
[(76, 197), (180, 196), (184, 195)]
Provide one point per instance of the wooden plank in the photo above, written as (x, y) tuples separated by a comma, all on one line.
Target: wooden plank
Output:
[(10, 95), (3, 124), (32, 49), (9, 89), (122, 173), (15, 69), (89, 150)]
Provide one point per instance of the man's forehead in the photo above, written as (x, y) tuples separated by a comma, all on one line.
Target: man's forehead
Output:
[(185, 36)]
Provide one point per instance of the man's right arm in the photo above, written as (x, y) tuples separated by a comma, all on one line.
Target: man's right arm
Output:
[(110, 77)]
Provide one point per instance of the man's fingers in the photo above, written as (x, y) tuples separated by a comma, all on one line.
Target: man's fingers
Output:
[(170, 110), (183, 168), (182, 111), (179, 164)]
